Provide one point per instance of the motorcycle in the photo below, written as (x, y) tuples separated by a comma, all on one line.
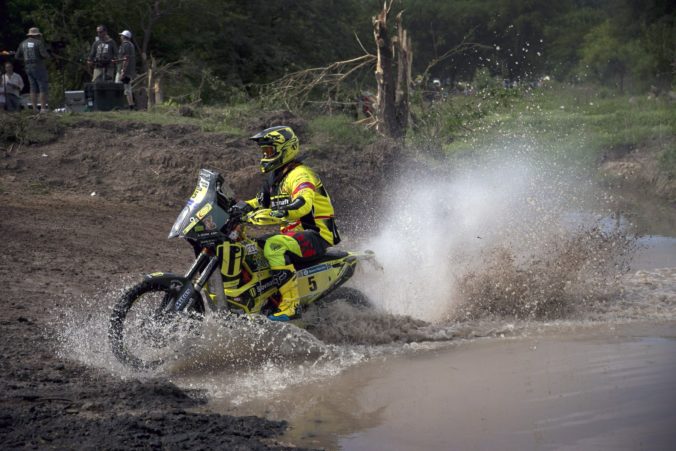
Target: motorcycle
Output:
[(229, 275)]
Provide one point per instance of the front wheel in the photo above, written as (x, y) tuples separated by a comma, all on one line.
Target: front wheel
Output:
[(144, 325)]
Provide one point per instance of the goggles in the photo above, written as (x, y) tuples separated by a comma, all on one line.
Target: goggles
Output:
[(268, 151)]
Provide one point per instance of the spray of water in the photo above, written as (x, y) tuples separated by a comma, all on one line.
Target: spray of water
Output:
[(480, 219)]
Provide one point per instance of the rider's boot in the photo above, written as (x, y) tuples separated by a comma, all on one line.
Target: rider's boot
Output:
[(289, 290)]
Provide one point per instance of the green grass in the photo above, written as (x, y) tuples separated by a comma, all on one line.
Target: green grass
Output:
[(29, 128), (576, 124), (339, 129), (226, 119)]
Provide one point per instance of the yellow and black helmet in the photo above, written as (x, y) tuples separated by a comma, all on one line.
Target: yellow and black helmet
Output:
[(280, 146)]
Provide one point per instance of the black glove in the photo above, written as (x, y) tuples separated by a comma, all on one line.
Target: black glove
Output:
[(240, 209)]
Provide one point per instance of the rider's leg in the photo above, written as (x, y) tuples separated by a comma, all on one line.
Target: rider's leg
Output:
[(288, 288), (275, 250)]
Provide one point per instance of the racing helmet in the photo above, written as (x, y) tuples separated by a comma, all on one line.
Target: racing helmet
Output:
[(279, 145)]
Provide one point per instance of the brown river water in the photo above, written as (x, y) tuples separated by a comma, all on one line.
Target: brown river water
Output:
[(593, 387), (603, 383)]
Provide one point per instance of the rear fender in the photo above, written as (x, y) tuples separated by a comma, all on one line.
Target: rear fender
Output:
[(319, 280)]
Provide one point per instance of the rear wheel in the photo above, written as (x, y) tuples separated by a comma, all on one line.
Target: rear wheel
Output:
[(143, 326)]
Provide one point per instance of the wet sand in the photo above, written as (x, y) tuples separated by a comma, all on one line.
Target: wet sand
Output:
[(571, 387)]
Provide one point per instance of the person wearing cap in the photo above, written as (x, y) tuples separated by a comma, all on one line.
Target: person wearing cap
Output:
[(33, 53), (102, 55), (126, 65)]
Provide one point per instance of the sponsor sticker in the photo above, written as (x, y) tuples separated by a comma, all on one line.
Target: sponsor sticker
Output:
[(264, 286), (203, 211), (208, 223), (314, 269), (250, 249)]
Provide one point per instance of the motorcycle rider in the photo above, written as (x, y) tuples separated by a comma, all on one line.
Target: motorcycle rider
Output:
[(294, 192)]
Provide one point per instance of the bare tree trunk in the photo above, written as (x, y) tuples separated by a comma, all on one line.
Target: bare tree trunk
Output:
[(385, 78), (151, 11), (159, 91), (404, 62), (392, 101), (151, 82)]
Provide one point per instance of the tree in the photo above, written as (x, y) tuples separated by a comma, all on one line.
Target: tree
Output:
[(393, 74), (608, 59)]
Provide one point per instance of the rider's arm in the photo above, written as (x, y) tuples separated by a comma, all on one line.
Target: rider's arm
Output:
[(302, 188), (308, 196)]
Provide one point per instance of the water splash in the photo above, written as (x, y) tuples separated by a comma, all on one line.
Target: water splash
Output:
[(441, 229)]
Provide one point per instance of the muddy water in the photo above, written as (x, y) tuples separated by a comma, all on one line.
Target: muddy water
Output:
[(655, 252), (572, 387), (602, 383)]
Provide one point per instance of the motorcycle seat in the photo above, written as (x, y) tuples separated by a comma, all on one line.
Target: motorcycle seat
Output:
[(331, 254)]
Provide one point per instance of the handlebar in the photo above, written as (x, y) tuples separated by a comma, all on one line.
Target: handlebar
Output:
[(263, 217)]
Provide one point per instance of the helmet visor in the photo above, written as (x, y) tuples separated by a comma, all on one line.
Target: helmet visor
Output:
[(268, 151)]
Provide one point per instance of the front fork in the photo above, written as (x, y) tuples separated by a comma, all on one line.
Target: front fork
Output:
[(206, 262)]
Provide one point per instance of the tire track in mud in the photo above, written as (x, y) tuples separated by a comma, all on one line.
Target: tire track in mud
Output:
[(58, 250)]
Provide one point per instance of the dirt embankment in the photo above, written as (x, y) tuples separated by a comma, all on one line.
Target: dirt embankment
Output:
[(79, 212), (639, 169), (158, 165)]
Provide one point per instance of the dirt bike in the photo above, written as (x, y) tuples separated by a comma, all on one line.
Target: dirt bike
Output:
[(229, 274)]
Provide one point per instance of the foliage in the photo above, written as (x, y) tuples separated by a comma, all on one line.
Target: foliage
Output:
[(228, 48), (440, 121), (572, 124), (605, 58), (339, 129), (28, 128)]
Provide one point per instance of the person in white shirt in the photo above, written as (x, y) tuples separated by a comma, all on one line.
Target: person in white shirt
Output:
[(10, 88)]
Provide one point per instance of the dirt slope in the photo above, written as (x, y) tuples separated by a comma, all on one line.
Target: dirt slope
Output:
[(79, 212)]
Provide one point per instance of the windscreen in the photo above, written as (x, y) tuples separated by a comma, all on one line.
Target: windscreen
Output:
[(204, 194)]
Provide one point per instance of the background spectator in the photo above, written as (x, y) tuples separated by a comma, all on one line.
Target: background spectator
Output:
[(126, 65), (33, 53), (12, 84), (102, 56)]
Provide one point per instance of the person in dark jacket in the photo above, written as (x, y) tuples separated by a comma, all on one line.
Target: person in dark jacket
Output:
[(102, 56), (33, 53)]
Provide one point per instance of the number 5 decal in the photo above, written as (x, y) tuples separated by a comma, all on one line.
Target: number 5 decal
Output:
[(313, 283)]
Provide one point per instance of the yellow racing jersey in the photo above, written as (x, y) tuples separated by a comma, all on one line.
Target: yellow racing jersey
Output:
[(315, 214)]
